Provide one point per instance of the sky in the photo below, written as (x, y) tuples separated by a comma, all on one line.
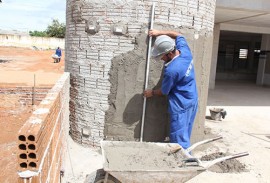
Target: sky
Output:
[(30, 15)]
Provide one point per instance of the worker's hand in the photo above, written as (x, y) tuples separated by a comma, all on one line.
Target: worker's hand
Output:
[(148, 93), (153, 32)]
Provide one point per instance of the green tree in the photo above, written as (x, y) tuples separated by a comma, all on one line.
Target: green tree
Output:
[(56, 29), (38, 33)]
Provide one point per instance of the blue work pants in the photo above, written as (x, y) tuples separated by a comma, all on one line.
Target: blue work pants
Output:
[(181, 126)]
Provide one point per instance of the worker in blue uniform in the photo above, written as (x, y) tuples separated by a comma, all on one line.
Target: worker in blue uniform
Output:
[(178, 83), (58, 52)]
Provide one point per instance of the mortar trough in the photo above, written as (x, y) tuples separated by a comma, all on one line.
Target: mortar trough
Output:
[(144, 162)]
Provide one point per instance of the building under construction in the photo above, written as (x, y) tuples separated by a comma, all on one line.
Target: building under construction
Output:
[(106, 49)]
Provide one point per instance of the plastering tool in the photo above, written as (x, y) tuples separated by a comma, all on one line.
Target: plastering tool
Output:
[(147, 70)]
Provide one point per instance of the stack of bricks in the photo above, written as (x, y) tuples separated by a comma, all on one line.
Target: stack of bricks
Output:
[(41, 139)]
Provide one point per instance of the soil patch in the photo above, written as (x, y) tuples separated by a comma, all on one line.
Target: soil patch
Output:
[(17, 68)]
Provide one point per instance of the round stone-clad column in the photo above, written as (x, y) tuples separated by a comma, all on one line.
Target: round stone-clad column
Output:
[(106, 48)]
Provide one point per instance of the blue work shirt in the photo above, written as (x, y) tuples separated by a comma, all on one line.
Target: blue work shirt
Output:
[(179, 79), (58, 52)]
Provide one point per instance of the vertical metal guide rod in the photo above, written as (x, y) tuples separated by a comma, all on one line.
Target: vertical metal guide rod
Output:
[(147, 70), (34, 91)]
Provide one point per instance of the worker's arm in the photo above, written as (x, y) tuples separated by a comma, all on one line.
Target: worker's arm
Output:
[(151, 93), (172, 34)]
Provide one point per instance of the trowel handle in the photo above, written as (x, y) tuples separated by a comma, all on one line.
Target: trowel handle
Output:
[(211, 163), (239, 155), (202, 142)]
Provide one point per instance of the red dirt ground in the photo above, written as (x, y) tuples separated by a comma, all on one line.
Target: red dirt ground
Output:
[(17, 68)]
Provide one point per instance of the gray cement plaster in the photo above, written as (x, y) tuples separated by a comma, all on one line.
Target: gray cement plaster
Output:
[(134, 156), (127, 77)]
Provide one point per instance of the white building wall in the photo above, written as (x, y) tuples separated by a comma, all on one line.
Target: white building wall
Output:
[(29, 41)]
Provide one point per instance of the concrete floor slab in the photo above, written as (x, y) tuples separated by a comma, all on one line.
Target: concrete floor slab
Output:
[(244, 129)]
